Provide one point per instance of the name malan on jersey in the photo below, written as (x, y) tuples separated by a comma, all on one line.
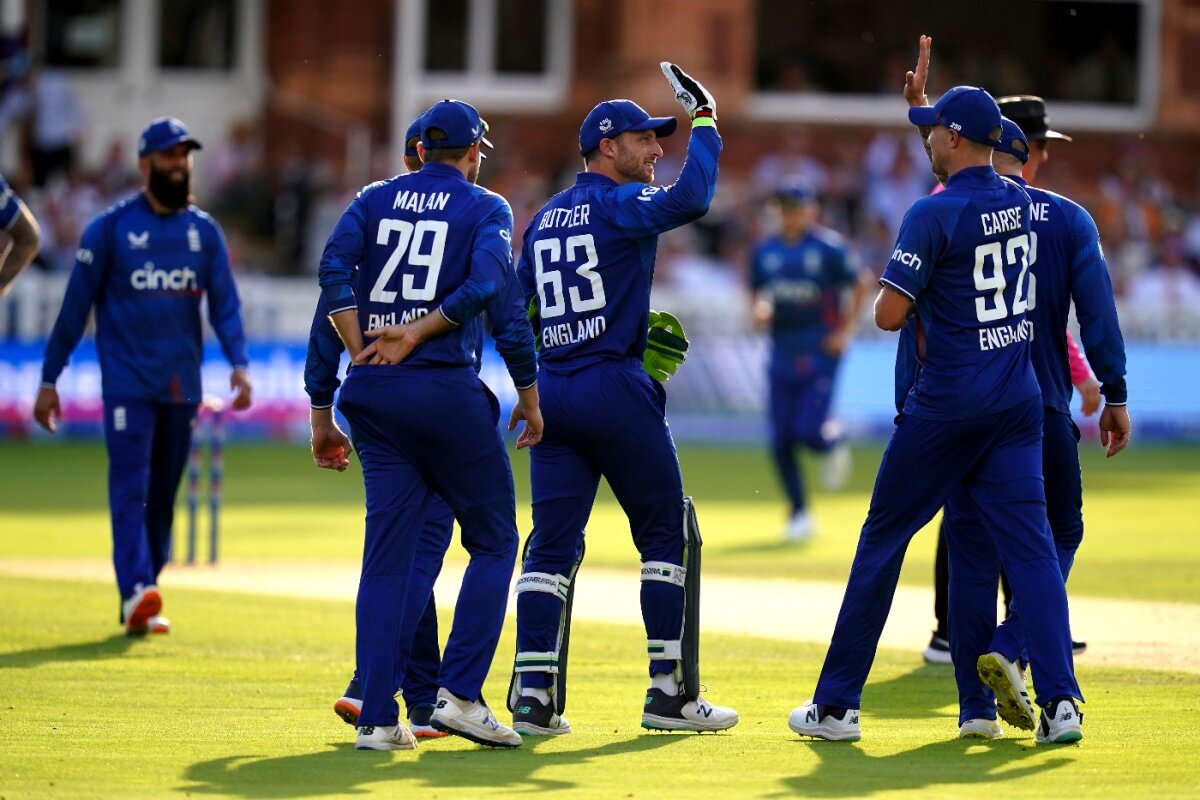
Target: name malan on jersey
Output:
[(569, 333), (1002, 221), (420, 202)]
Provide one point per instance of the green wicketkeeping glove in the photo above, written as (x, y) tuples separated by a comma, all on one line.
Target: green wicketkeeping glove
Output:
[(666, 346)]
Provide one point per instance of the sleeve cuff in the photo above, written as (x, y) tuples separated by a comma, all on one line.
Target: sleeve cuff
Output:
[(900, 289), (442, 311)]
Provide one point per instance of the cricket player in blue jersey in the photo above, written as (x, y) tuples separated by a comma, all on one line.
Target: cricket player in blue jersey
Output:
[(412, 263), (331, 449), (972, 421), (800, 279), (24, 236), (587, 261), (145, 264)]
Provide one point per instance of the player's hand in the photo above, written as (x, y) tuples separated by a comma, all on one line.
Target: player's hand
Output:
[(331, 447), (392, 344), (528, 409), (1114, 429), (914, 80), (1089, 394), (666, 346), (836, 342), (691, 94), (46, 409), (243, 390)]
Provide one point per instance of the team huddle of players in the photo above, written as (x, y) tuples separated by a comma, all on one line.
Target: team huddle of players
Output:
[(418, 262)]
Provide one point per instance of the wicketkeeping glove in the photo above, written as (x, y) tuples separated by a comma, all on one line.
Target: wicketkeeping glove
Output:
[(666, 346), (695, 99)]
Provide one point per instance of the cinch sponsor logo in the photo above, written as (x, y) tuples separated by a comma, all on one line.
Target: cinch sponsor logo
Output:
[(909, 259), (150, 279)]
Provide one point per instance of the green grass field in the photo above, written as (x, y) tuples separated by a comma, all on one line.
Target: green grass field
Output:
[(236, 701)]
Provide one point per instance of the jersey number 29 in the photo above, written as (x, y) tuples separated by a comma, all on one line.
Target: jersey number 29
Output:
[(413, 241), (1017, 250)]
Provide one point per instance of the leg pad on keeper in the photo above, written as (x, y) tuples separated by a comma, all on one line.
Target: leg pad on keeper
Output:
[(662, 650), (689, 661), (559, 585), (536, 662), (664, 571)]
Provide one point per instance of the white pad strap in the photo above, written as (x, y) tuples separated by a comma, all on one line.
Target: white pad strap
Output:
[(660, 650), (664, 571), (537, 662), (543, 582)]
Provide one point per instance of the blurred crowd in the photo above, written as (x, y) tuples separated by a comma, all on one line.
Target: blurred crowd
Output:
[(277, 211)]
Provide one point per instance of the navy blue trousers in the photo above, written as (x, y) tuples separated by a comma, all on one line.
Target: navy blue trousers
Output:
[(799, 404), (608, 420), (148, 446), (997, 461), (420, 431)]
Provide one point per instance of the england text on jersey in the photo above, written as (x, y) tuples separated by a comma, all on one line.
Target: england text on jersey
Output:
[(566, 333), (1004, 335)]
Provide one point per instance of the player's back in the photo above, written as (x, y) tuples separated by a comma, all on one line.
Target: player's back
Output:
[(411, 238), (963, 255), (591, 277)]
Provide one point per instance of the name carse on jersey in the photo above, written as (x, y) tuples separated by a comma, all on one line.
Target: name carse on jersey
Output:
[(571, 332), (1001, 221)]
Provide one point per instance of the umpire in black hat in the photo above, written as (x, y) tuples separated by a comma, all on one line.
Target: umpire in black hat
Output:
[(1029, 112)]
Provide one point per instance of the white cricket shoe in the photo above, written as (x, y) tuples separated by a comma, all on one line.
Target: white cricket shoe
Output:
[(800, 528), (1061, 723), (158, 624), (471, 720), (938, 651), (980, 729), (835, 469), (137, 611), (385, 737), (810, 719), (1012, 695), (664, 712)]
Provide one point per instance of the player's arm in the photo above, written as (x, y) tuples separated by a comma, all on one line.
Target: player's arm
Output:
[(762, 303), (863, 282), (1082, 378), (341, 256), (914, 91), (26, 236), (907, 272), (225, 316), (331, 447), (892, 308), (91, 265)]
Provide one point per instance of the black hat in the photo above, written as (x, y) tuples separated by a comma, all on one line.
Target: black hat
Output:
[(1029, 112)]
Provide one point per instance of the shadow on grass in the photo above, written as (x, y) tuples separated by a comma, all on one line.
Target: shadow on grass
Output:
[(342, 769), (844, 770), (111, 647)]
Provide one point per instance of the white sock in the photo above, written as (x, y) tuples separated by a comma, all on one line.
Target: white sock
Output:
[(539, 694), (665, 682)]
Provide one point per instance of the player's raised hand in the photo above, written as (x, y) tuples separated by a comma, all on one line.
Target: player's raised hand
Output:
[(915, 79), (691, 94), (46, 409), (1114, 429)]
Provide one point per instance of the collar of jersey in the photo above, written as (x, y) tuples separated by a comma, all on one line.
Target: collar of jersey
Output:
[(593, 177), (978, 176), (441, 168)]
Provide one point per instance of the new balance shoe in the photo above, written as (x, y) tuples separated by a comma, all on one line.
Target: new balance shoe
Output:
[(158, 624), (136, 612), (418, 722), (800, 528), (980, 729), (664, 712), (1012, 695), (385, 737), (471, 720), (1061, 723), (938, 651), (532, 717), (818, 722)]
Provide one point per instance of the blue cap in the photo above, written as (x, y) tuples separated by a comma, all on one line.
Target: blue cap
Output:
[(163, 134), (796, 190), (969, 110), (460, 121), (610, 119), (1010, 135), (413, 132)]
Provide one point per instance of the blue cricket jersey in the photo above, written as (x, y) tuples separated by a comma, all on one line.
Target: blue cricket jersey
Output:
[(10, 205), (414, 243), (962, 255), (588, 257), (1067, 263), (146, 274), (805, 280)]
